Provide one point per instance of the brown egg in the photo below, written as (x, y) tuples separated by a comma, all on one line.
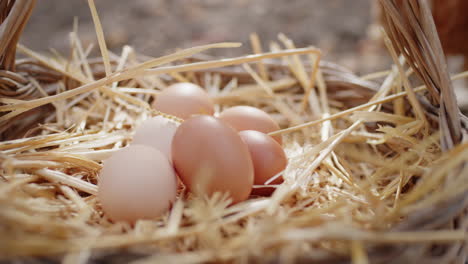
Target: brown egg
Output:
[(210, 157), (184, 100), (137, 182), (268, 158), (250, 118)]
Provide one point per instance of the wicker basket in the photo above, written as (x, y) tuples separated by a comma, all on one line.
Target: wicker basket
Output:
[(434, 233)]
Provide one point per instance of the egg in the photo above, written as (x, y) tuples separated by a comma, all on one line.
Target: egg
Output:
[(268, 158), (250, 118), (137, 182), (210, 157), (156, 132), (184, 100)]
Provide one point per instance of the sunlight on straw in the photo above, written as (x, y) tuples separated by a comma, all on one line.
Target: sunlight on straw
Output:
[(100, 37)]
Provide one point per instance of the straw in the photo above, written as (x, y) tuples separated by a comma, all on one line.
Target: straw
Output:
[(368, 180)]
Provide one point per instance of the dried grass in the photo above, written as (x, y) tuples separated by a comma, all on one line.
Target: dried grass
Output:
[(367, 179)]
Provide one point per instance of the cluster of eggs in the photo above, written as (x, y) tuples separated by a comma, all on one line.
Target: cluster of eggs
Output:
[(229, 154)]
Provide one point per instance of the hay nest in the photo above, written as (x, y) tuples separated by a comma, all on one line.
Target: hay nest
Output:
[(377, 167)]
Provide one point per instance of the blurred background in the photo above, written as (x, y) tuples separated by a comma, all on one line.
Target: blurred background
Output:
[(154, 27), (345, 30)]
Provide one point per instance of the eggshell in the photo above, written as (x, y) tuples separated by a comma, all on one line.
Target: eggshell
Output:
[(156, 132), (210, 157), (137, 182), (268, 158), (250, 118), (184, 100)]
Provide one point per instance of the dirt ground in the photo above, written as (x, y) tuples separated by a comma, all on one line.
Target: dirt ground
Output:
[(155, 27)]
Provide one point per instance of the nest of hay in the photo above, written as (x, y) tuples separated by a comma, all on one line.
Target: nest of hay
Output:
[(377, 166)]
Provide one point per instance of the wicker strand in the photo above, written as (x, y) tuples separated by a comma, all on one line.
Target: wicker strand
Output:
[(11, 28), (413, 33)]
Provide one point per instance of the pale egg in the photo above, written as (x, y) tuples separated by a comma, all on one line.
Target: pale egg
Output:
[(156, 132), (137, 182)]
